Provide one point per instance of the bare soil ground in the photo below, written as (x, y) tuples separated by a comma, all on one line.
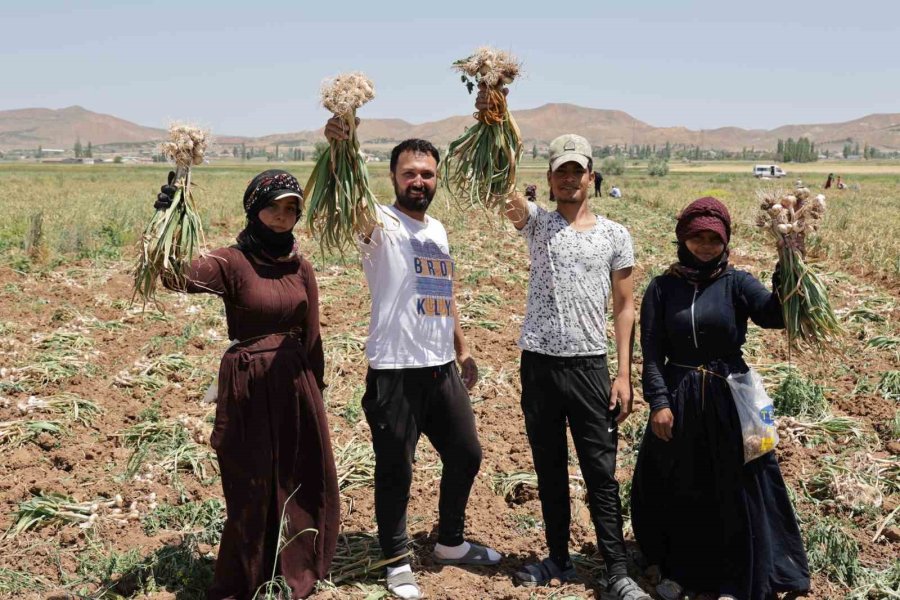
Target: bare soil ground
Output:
[(121, 556)]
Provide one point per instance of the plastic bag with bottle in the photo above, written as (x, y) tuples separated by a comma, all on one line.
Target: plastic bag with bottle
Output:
[(756, 413)]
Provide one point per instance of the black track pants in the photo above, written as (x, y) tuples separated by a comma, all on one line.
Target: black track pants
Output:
[(401, 404), (574, 389)]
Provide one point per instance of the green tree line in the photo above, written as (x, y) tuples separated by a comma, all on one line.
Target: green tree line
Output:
[(801, 150)]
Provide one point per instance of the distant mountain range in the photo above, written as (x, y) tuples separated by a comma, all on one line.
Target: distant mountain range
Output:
[(32, 127)]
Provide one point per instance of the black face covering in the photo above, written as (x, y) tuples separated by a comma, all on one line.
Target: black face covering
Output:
[(257, 237), (689, 259), (693, 269)]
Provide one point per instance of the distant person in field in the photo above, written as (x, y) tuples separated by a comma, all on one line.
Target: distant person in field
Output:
[(598, 182), (840, 183), (578, 259), (420, 367), (710, 522), (615, 192), (531, 193), (829, 181), (270, 433)]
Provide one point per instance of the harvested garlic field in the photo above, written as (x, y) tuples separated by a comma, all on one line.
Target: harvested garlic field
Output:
[(109, 487)]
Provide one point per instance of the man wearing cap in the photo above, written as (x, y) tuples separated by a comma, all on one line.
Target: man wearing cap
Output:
[(577, 259)]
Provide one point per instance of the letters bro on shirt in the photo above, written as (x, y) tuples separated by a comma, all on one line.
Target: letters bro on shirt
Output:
[(434, 279)]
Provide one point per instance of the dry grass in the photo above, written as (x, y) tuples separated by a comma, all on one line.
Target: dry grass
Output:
[(823, 167), (86, 248)]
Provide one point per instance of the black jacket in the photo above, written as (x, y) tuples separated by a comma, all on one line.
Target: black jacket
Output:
[(695, 325)]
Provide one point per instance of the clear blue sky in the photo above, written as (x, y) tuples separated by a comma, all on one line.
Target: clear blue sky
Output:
[(253, 68)]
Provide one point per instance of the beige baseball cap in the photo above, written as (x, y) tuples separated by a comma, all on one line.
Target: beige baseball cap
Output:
[(569, 147)]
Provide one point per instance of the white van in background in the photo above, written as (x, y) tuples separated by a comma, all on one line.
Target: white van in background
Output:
[(768, 171)]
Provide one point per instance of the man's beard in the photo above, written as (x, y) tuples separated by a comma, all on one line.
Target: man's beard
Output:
[(577, 196), (414, 204)]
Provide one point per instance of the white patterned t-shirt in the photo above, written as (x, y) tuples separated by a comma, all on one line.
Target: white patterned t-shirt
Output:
[(410, 275), (570, 282)]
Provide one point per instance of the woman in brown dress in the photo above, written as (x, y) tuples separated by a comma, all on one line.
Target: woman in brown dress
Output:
[(271, 432)]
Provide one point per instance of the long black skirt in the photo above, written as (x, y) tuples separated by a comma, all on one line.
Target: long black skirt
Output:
[(712, 523)]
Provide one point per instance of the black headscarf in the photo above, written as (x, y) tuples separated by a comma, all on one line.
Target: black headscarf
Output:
[(256, 236)]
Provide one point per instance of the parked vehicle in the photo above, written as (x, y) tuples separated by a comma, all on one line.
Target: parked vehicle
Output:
[(768, 171)]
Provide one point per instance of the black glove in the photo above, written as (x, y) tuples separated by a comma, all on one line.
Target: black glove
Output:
[(166, 193), (776, 278)]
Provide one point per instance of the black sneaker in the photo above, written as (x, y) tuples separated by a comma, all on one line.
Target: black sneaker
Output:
[(624, 588), (544, 572)]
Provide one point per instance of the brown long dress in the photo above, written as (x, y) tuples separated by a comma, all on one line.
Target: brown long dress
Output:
[(271, 432)]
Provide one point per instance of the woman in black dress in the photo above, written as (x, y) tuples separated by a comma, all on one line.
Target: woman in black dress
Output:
[(710, 522)]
